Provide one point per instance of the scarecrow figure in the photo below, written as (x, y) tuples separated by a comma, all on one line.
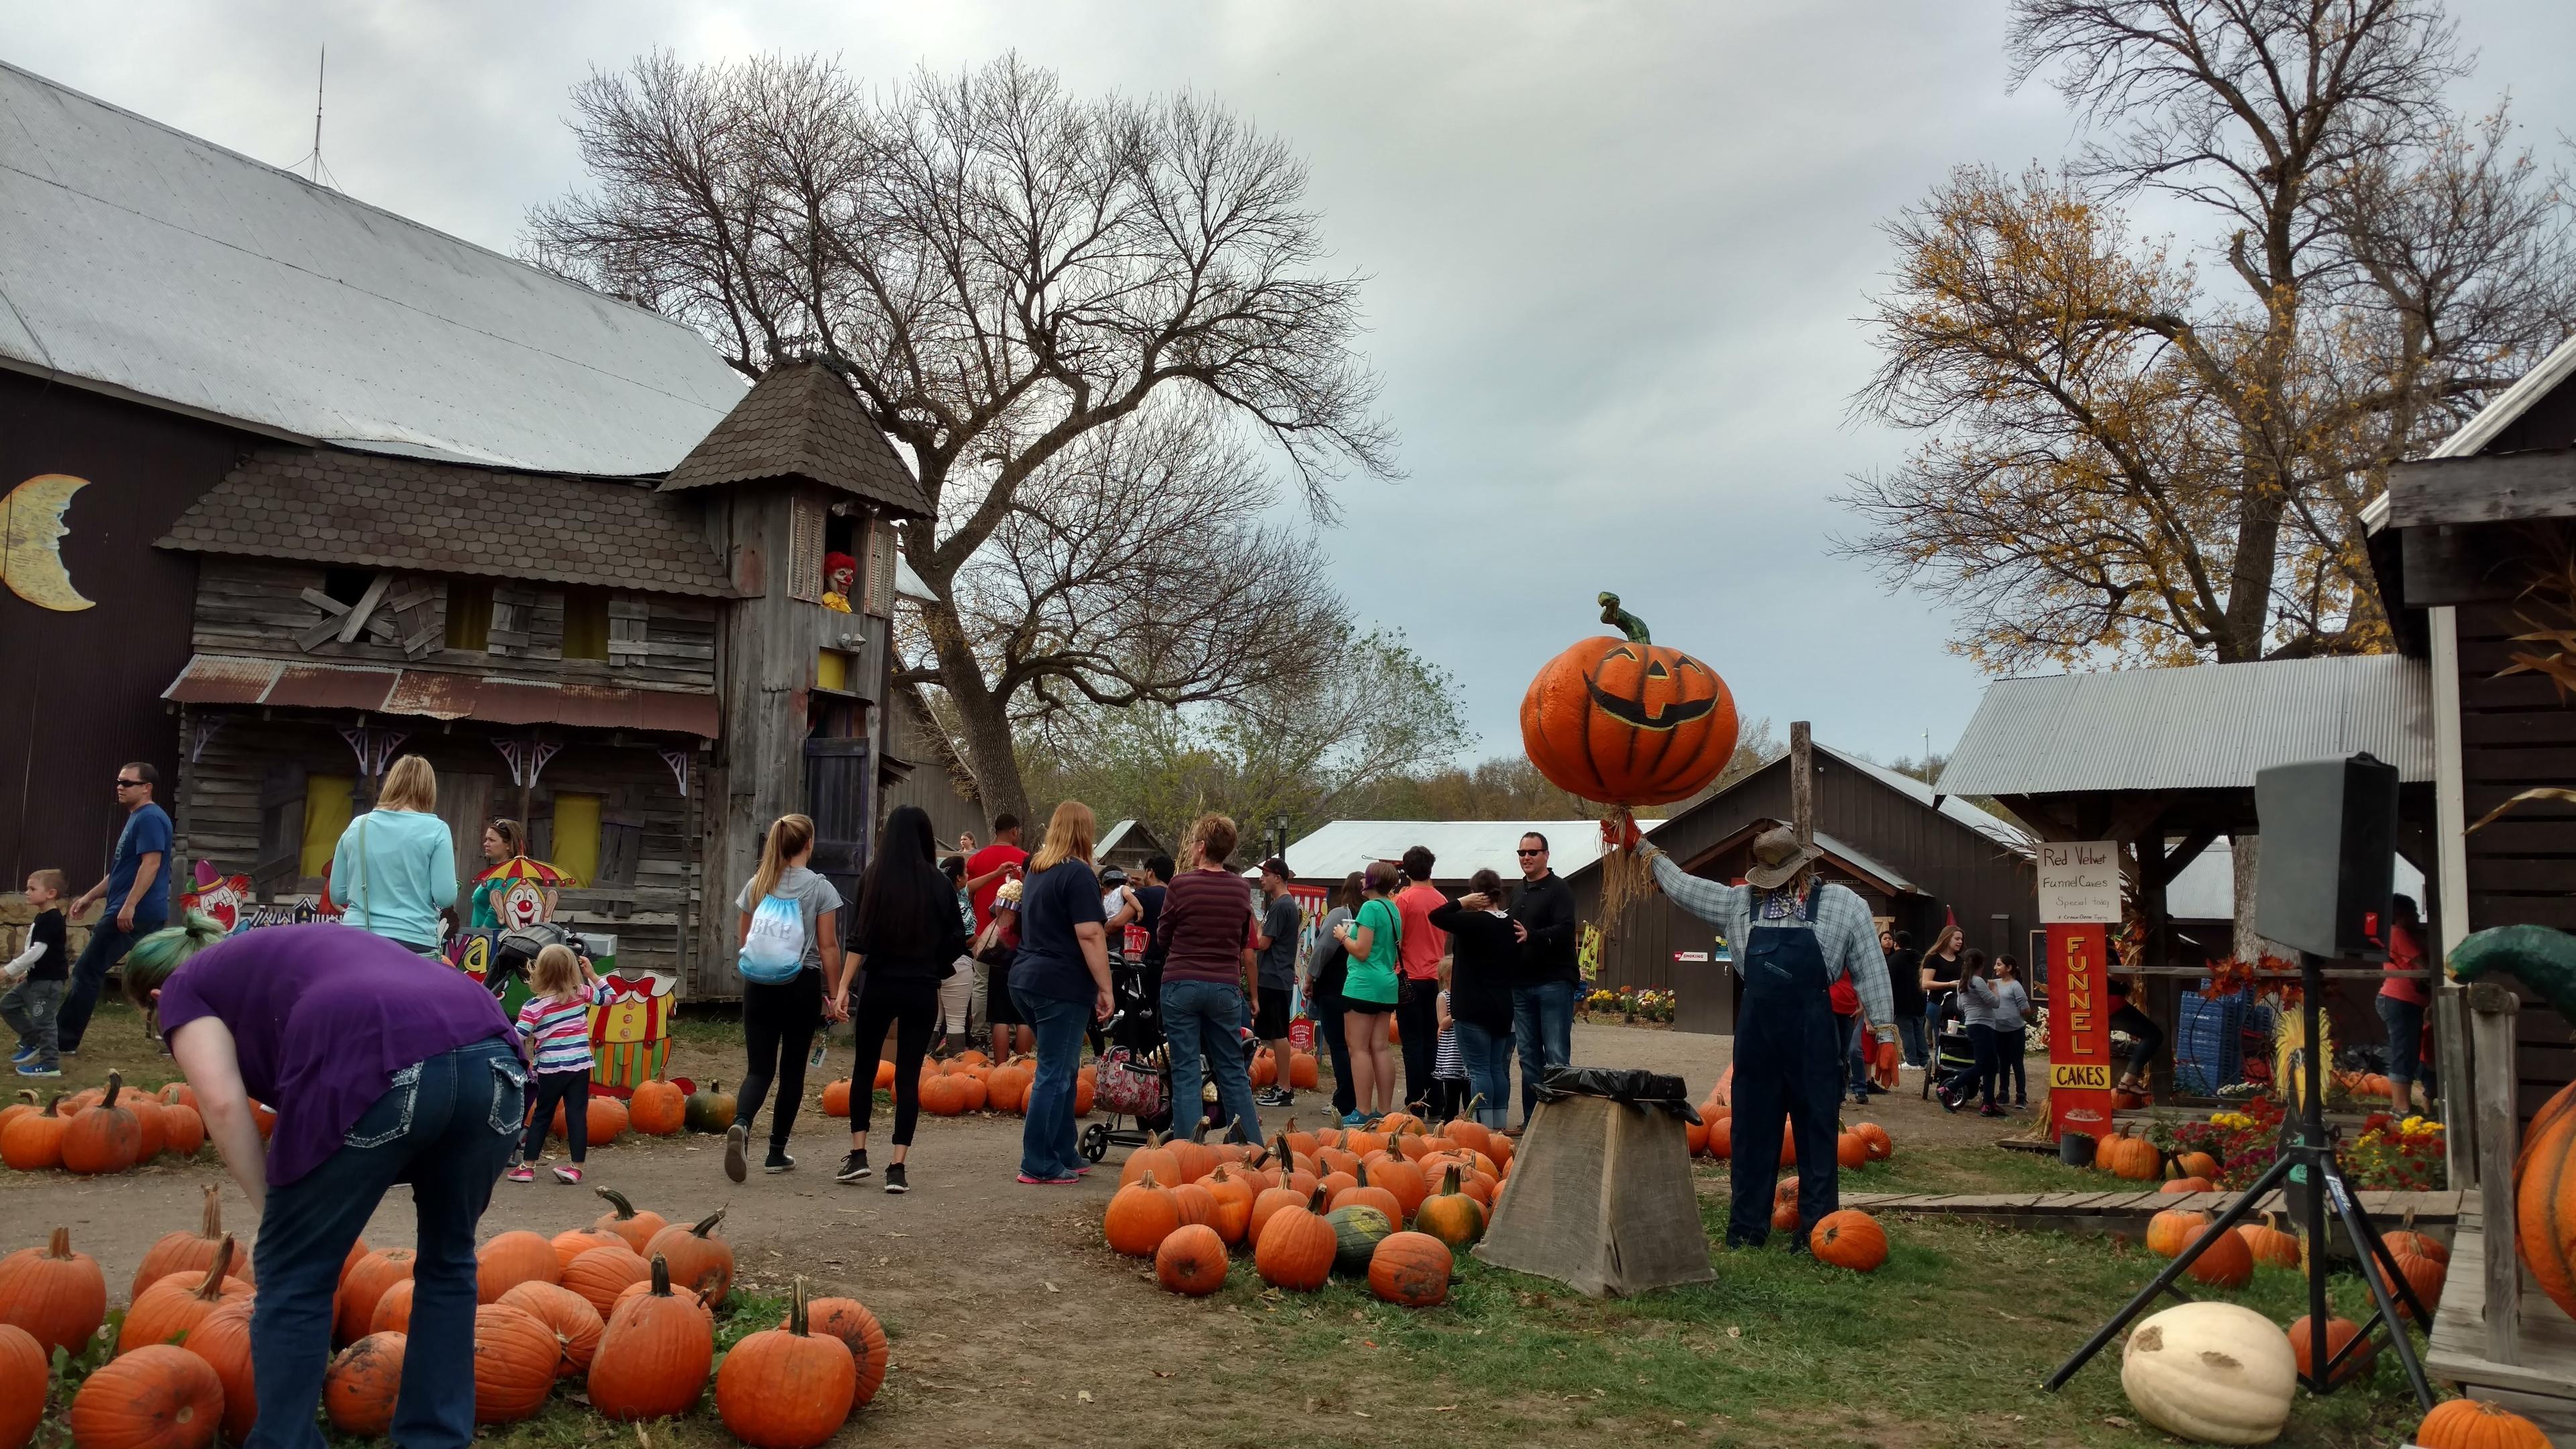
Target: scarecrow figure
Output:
[(840, 572), (1796, 939)]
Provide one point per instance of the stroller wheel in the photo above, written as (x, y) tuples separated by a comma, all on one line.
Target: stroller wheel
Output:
[(1095, 1141)]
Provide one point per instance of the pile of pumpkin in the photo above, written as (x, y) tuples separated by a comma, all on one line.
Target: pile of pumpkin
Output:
[(105, 1129), (1313, 1203), (655, 1108), (967, 1082), (1713, 1136), (626, 1305)]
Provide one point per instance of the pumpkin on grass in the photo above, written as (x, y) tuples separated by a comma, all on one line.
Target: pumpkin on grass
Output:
[(513, 1258), (359, 1389), (58, 1296), (2477, 1424), (393, 1311), (1231, 1186), (190, 1252), (172, 1307), (654, 1354), (2125, 1156), (637, 1228), (2271, 1247), (1140, 1216), (2339, 1331), (1191, 1260), (708, 1110), (156, 1397), (786, 1388), (1451, 1215), (1874, 1137), (850, 1321), (515, 1357), (1364, 1191), (222, 1339), (25, 1377), (104, 1138), (2224, 1262), (1194, 1202), (1850, 1239), (699, 1259), (354, 1315), (2171, 1231), (1851, 1150), (183, 1131), (1296, 1248), (1357, 1230), (2425, 1275), (656, 1108), (2215, 1373), (1410, 1270), (604, 1272), (568, 1315), (33, 1141), (147, 1124)]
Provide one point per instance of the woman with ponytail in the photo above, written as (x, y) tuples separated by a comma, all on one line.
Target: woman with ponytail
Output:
[(789, 937)]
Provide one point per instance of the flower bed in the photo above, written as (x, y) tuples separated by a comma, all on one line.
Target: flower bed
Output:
[(2390, 1154), (1628, 1005)]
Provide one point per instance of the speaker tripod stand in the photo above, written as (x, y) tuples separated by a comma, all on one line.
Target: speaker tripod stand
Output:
[(2309, 1159)]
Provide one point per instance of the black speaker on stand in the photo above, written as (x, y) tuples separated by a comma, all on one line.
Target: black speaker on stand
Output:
[(2329, 833)]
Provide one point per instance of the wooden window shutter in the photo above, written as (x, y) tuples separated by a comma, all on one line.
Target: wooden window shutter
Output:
[(512, 604), (881, 556), (805, 550), (420, 614), (628, 618), (621, 850)]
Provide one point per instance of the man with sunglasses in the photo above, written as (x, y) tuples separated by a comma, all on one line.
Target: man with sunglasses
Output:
[(137, 889), (1551, 976)]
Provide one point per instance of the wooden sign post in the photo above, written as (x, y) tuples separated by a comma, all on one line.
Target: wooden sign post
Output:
[(2079, 897)]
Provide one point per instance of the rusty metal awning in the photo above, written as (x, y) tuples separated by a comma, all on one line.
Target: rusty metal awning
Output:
[(239, 680)]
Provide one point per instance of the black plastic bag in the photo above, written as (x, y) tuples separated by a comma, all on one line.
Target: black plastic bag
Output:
[(1636, 1088)]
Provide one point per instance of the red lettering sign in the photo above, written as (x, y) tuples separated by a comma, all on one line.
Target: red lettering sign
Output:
[(2080, 1070)]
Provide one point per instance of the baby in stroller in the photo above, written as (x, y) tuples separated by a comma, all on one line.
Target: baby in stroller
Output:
[(1953, 1078)]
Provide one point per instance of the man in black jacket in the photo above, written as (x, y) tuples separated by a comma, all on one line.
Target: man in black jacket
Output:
[(1551, 979)]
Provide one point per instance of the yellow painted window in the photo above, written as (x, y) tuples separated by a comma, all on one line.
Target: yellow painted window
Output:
[(585, 629), (326, 814), (831, 669), (469, 614), (576, 844)]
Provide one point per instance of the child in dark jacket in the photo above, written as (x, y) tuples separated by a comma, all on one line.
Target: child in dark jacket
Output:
[(36, 979)]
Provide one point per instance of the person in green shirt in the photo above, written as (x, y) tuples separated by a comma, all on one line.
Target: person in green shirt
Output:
[(502, 840), (1371, 936)]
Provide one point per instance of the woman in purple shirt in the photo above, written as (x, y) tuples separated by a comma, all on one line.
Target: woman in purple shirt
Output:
[(383, 1067)]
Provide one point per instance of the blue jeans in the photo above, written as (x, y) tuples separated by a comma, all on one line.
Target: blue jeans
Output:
[(1048, 1151), (1487, 1056), (107, 946), (31, 1009), (1909, 1030), (2404, 1021), (446, 1126), (1543, 1026), (1327, 1006), (1205, 1018)]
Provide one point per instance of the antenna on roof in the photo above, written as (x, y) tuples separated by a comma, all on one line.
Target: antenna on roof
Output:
[(321, 174)]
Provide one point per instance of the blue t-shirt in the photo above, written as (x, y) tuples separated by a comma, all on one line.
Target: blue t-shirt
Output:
[(147, 832), (1050, 962)]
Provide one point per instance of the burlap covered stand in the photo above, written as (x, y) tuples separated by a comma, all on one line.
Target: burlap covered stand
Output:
[(1601, 1201)]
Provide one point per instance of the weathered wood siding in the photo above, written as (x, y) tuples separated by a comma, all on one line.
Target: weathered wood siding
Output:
[(259, 607)]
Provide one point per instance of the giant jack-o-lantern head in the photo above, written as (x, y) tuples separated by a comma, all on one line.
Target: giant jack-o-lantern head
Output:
[(1628, 721)]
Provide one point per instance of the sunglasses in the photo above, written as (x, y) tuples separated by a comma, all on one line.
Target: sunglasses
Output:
[(1529, 852), (129, 784)]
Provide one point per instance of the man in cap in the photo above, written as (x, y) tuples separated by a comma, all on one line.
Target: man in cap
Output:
[(1793, 936)]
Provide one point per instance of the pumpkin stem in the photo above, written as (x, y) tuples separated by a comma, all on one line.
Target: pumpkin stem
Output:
[(214, 1223), (1359, 1175), (61, 1246), (115, 1084), (661, 1277), (1629, 624), (796, 1313), (1315, 1203), (615, 1199), (1449, 1180), (213, 1286), (1148, 1179), (708, 1223)]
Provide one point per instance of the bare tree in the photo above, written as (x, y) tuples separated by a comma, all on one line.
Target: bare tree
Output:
[(2133, 455), (1006, 270)]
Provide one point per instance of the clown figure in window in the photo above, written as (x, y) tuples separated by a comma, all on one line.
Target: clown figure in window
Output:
[(840, 571)]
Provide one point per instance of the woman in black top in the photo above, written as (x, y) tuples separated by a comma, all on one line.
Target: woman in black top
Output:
[(1324, 991), (907, 938), (1485, 954), (1940, 978)]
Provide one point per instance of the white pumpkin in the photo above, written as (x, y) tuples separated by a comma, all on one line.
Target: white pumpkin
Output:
[(2218, 1373)]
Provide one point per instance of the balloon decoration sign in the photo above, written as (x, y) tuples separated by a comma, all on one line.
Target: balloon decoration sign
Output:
[(31, 535)]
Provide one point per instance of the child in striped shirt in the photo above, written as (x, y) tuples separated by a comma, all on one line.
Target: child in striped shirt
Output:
[(555, 1028)]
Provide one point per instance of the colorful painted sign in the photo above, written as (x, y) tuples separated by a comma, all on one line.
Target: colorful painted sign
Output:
[(223, 899), (31, 534), (630, 1035), (2080, 1065)]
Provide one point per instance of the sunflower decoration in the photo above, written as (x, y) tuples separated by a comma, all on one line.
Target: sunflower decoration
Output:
[(2289, 1056)]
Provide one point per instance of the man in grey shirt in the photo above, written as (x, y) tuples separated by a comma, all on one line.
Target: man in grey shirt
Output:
[(1282, 923)]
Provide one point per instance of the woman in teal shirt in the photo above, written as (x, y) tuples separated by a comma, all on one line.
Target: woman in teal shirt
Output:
[(395, 868), (1371, 936), (502, 840)]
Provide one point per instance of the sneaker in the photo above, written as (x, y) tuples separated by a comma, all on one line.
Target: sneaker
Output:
[(737, 1139), (894, 1178), (1355, 1120), (1991, 1110), (22, 1056), (778, 1162), (523, 1173), (33, 1070), (570, 1174), (853, 1167), (1082, 1169), (1271, 1097), (1028, 1181)]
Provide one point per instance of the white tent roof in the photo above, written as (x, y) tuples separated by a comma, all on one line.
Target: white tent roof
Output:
[(145, 262), (1460, 848), (2205, 890)]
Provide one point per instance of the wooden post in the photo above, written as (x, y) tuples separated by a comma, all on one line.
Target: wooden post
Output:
[(1802, 783), (2492, 1009), (2461, 1129)]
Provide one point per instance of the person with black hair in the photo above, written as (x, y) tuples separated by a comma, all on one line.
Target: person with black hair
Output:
[(1417, 1007), (1324, 989), (2402, 1000), (1152, 882), (957, 991), (905, 941), (1905, 983), (2145, 1036)]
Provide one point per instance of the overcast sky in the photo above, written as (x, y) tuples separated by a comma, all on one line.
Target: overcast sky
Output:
[(1615, 255)]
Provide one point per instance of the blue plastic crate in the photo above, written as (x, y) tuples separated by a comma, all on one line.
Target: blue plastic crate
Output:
[(2209, 1043)]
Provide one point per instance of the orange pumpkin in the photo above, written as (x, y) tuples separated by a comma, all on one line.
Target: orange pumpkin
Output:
[(1627, 721), (571, 1243), (636, 1228), (190, 1252), (786, 1388), (1295, 1250), (183, 1131), (605, 1120), (604, 1272), (33, 1141), (1140, 1216), (1191, 1259), (1410, 1270), (2544, 1199), (2477, 1424), (157, 1397), (2339, 1331), (393, 1311), (2224, 1262), (353, 1317), (849, 1320), (567, 1315), (222, 1339), (2187, 1184), (58, 1296), (657, 1108), (2125, 1156), (172, 1307), (104, 1138), (1874, 1137), (2271, 1247), (362, 1384), (2171, 1231), (147, 1124), (654, 1355), (1154, 1157), (515, 1357), (2423, 1274), (943, 1096), (1849, 1239), (1851, 1150), (1721, 1138), (511, 1259), (1231, 1186), (836, 1098), (26, 1373), (699, 1259), (1195, 1204), (885, 1076)]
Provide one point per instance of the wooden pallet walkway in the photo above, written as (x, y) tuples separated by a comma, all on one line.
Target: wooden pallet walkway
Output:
[(2542, 1387), (2124, 1213)]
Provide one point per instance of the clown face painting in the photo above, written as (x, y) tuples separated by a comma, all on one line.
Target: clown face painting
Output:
[(840, 575), (219, 898), (522, 904)]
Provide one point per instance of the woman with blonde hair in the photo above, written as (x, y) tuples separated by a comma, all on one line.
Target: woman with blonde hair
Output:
[(1059, 980), (788, 938), (395, 867)]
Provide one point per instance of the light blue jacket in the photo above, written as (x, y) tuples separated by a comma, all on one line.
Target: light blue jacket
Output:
[(393, 872)]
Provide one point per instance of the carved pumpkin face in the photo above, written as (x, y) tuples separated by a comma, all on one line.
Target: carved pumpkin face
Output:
[(1627, 722)]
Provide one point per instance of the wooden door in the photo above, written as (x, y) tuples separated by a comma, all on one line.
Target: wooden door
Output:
[(465, 803), (840, 786)]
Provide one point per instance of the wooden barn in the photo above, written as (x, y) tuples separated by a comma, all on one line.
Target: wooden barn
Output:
[(1916, 859)]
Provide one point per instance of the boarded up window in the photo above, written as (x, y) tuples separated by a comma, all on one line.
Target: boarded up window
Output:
[(418, 617), (512, 608), (469, 614), (805, 550), (585, 624), (629, 617), (881, 555)]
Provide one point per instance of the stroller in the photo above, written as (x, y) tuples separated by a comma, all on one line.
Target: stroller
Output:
[(1134, 1073), (1953, 1077)]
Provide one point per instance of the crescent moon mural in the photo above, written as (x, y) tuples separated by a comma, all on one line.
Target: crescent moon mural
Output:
[(31, 532)]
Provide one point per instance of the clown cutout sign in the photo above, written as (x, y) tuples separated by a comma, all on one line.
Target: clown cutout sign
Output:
[(840, 575), (630, 1033), (222, 899)]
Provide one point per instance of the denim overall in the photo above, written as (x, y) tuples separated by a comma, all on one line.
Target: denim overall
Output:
[(1788, 1061)]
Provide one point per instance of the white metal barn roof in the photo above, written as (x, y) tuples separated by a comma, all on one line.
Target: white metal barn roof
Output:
[(143, 261), (2208, 726), (1460, 848)]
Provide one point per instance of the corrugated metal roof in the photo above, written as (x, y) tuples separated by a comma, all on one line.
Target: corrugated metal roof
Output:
[(1861, 861), (150, 262), (1985, 822), (438, 694), (2206, 727), (1459, 848)]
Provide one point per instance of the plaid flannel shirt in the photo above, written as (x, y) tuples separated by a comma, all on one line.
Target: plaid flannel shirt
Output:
[(1845, 931)]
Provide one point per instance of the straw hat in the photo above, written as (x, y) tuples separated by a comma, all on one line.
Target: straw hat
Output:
[(1778, 857)]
